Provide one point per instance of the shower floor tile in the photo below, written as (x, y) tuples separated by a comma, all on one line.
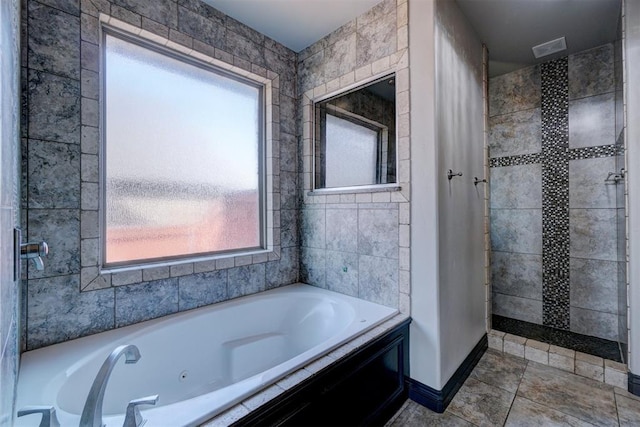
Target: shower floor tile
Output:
[(543, 396), (585, 344)]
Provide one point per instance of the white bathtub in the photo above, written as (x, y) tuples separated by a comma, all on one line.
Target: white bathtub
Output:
[(199, 362)]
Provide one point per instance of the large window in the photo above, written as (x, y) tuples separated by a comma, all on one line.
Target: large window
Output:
[(182, 156)]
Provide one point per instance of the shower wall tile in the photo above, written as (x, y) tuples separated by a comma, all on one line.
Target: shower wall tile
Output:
[(57, 54), (591, 72), (528, 310), (587, 186), (342, 229), (289, 228), (162, 11), (515, 133), (201, 289), (140, 302), (378, 280), (592, 121), (516, 230), (594, 284), (593, 233), (378, 232), (516, 187), (85, 313), (517, 274), (516, 91), (342, 272), (344, 50), (594, 323), (54, 175)]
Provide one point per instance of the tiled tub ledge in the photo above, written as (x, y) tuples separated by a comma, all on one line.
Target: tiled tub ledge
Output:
[(261, 398), (586, 365)]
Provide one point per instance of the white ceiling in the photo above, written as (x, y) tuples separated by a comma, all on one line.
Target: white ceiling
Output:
[(294, 23), (509, 28)]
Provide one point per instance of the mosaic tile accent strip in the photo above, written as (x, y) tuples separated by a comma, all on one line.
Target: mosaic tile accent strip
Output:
[(555, 193), (594, 152), (522, 159)]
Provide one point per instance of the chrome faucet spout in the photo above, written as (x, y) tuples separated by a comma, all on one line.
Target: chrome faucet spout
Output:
[(92, 412)]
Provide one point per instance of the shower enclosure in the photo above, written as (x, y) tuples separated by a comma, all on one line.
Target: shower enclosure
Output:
[(557, 209)]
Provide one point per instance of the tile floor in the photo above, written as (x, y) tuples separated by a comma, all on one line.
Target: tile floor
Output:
[(505, 390)]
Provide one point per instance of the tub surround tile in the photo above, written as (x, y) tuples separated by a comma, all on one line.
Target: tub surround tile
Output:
[(342, 230), (294, 379), (54, 175), (60, 54), (53, 108), (140, 302), (201, 289), (313, 266), (378, 280), (342, 272), (583, 398), (312, 230), (246, 280), (257, 400), (55, 226), (526, 413), (228, 417), (378, 232), (89, 312)]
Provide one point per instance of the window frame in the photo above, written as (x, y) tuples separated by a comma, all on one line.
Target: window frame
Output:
[(265, 239), (313, 105)]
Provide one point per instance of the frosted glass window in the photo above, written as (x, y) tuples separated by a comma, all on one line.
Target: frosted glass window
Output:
[(182, 147), (351, 153)]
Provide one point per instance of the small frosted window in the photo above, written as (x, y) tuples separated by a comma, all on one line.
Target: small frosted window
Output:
[(182, 157), (351, 153)]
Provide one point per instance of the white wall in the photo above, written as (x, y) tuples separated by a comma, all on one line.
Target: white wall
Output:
[(447, 301), (632, 99)]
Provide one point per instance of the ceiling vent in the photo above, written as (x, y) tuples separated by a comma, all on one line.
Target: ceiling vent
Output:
[(549, 47)]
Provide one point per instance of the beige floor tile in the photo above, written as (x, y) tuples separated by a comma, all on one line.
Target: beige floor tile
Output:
[(415, 415), (628, 411), (481, 404), (583, 398), (500, 369), (525, 413)]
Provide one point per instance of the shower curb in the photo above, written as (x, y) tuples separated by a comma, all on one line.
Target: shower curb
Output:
[(586, 365)]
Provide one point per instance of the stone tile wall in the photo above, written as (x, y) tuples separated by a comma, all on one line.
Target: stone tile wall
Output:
[(553, 217), (9, 204), (357, 243), (71, 298)]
